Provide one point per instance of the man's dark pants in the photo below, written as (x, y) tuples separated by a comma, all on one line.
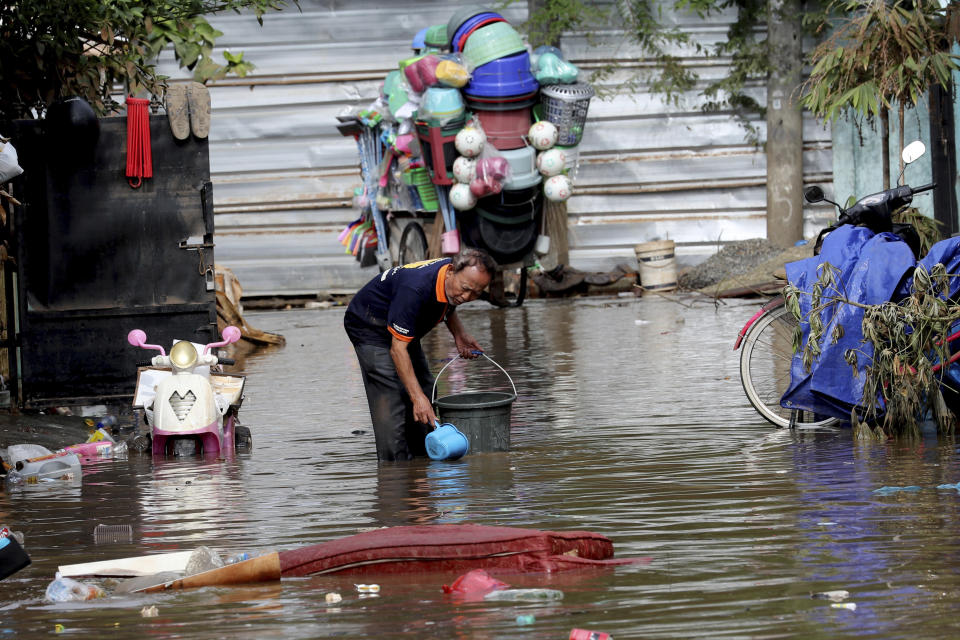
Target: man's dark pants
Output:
[(398, 436)]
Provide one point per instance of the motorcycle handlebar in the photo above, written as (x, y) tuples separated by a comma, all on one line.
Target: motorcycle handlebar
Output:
[(228, 361), (145, 363), (926, 187)]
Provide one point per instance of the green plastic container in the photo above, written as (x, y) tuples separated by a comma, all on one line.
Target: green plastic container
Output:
[(436, 36), (489, 43)]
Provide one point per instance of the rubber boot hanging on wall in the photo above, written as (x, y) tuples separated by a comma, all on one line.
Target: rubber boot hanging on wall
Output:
[(139, 157)]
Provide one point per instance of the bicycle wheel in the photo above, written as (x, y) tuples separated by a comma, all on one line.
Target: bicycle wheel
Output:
[(765, 357), (413, 244)]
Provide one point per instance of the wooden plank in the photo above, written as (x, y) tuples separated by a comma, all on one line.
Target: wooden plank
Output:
[(260, 569)]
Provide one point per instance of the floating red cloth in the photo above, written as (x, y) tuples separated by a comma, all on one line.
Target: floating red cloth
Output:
[(139, 156), (451, 548)]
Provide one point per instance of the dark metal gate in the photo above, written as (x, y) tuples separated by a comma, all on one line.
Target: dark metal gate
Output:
[(97, 258)]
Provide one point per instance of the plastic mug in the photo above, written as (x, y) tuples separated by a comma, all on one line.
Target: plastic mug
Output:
[(446, 442)]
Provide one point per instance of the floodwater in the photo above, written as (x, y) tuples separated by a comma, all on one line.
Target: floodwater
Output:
[(630, 422)]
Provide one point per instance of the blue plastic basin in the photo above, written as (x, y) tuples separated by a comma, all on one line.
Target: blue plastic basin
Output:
[(503, 78)]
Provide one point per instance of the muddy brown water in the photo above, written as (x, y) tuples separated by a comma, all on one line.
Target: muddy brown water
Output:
[(630, 422)]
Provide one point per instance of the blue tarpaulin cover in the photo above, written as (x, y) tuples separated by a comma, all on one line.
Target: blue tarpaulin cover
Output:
[(873, 268)]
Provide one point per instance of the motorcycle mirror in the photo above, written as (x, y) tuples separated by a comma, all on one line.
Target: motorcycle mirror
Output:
[(813, 194), (231, 334), (137, 337), (913, 151)]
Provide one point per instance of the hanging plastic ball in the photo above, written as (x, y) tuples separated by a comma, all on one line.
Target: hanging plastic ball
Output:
[(461, 197), (469, 141), (464, 169), (551, 162), (557, 188), (543, 135)]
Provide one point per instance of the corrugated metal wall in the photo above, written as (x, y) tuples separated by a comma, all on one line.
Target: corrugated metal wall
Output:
[(284, 177)]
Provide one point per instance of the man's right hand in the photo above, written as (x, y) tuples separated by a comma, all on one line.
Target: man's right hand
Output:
[(423, 410)]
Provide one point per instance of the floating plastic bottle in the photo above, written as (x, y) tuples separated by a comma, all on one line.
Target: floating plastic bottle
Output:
[(524, 595), (239, 557), (202, 559), (67, 589)]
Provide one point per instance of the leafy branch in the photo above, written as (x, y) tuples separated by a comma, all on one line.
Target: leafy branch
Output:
[(904, 380), (51, 50)]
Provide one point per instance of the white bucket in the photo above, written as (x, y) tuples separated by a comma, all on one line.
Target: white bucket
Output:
[(658, 269)]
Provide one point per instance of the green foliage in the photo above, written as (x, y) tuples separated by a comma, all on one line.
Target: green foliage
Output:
[(553, 18), (878, 53), (909, 339), (927, 228), (665, 73), (50, 50)]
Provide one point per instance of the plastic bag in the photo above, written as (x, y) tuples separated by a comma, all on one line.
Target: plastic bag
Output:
[(410, 72), (492, 171), (68, 590), (9, 167), (475, 585), (551, 69), (452, 72)]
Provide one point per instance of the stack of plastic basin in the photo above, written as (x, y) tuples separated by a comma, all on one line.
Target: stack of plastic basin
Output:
[(490, 42), (523, 168), (440, 106), (505, 224), (461, 16), (507, 77), (506, 129)]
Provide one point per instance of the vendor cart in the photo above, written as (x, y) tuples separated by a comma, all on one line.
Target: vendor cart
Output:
[(463, 144)]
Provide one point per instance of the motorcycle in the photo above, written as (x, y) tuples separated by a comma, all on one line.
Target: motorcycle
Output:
[(766, 340), (189, 404)]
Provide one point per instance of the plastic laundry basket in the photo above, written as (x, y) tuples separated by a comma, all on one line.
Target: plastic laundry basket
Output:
[(566, 105)]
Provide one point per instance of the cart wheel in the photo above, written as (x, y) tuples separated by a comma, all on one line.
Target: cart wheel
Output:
[(413, 244)]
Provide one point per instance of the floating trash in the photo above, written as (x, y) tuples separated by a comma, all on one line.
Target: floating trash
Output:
[(367, 588), (885, 491), (836, 596)]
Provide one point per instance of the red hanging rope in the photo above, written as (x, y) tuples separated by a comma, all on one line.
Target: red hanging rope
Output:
[(139, 158)]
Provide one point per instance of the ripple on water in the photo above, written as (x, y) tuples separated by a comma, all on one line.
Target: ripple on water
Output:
[(630, 422)]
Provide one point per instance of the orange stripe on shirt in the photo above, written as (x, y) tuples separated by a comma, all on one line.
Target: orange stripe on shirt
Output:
[(441, 277), (399, 336)]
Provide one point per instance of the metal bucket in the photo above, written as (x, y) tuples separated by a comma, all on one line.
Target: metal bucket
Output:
[(482, 416)]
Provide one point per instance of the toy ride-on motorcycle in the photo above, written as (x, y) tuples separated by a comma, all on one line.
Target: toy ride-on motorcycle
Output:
[(190, 406)]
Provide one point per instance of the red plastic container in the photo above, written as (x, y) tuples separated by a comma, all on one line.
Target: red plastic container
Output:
[(506, 129), (439, 152)]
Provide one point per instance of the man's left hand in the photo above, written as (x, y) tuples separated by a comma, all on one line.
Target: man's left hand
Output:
[(468, 347)]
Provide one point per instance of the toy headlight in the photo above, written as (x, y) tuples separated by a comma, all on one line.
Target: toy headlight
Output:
[(183, 355)]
